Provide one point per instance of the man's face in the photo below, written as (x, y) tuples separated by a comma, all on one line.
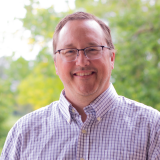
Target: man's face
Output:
[(83, 77)]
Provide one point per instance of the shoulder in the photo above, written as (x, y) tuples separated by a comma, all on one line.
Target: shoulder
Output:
[(134, 108), (28, 129), (37, 117), (34, 122)]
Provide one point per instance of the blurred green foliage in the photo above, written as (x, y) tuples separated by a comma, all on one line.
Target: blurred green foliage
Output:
[(29, 85), (42, 86), (5, 103)]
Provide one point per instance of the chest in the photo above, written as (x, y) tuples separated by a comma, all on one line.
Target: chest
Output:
[(111, 139)]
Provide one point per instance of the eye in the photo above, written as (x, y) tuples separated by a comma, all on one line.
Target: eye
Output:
[(92, 49), (70, 51)]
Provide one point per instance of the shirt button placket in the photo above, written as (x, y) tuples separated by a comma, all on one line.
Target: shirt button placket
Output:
[(81, 148)]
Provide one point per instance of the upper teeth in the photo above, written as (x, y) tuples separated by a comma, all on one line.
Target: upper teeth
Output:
[(83, 74)]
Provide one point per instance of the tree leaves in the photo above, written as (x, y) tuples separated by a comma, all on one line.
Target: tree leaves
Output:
[(41, 87)]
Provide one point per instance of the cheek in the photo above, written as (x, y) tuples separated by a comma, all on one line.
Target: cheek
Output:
[(106, 68), (64, 71)]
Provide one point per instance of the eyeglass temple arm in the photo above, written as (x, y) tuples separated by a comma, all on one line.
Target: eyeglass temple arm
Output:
[(57, 51), (105, 47)]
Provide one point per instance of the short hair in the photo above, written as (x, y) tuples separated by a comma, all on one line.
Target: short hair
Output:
[(82, 16)]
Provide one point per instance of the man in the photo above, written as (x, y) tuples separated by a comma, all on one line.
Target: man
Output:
[(90, 121)]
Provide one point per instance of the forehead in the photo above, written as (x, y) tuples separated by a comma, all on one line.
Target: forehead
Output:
[(79, 31)]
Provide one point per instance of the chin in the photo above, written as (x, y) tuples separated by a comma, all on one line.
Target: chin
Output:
[(87, 92)]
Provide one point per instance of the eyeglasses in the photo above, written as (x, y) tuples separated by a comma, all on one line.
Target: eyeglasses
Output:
[(70, 54)]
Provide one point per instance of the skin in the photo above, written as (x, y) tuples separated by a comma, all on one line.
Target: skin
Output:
[(82, 89)]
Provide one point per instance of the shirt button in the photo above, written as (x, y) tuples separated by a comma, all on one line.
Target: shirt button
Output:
[(99, 118), (68, 120), (84, 131), (81, 158), (73, 110)]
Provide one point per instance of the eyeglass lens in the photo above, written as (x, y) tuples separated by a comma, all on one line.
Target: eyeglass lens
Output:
[(90, 52)]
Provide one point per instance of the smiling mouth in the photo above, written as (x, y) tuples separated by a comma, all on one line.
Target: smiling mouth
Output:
[(83, 74)]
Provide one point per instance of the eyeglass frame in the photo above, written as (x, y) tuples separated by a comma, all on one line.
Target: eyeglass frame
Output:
[(82, 50)]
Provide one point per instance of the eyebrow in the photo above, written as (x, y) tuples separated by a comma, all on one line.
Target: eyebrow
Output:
[(88, 45), (68, 45), (93, 44)]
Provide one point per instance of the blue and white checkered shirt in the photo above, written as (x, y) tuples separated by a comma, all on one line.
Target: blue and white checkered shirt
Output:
[(116, 128)]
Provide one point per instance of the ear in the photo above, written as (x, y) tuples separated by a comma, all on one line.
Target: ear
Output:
[(55, 64), (112, 59)]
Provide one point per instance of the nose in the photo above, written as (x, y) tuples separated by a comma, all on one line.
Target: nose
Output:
[(82, 60)]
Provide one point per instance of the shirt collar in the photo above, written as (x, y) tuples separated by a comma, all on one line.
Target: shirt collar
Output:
[(64, 106), (101, 104)]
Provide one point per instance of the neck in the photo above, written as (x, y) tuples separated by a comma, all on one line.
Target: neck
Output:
[(79, 102)]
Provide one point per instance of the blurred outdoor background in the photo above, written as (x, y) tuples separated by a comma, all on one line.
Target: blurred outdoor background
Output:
[(27, 74)]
